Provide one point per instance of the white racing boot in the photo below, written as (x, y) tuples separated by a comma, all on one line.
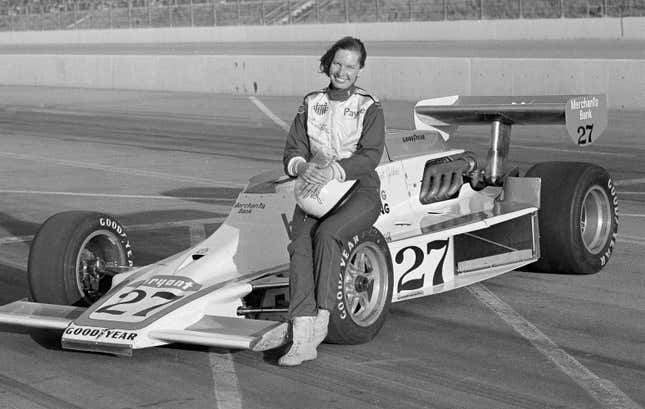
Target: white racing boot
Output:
[(303, 348), (320, 326)]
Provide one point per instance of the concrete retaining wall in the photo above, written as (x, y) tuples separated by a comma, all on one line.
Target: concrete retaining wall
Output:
[(406, 78), (588, 28), (391, 77)]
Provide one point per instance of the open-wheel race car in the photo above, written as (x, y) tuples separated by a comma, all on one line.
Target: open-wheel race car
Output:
[(448, 220)]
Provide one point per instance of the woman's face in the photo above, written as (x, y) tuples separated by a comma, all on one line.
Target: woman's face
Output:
[(344, 68)]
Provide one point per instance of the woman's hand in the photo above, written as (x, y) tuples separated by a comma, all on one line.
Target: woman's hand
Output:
[(309, 190), (315, 174), (315, 177)]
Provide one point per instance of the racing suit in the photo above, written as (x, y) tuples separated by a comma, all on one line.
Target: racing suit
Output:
[(347, 126)]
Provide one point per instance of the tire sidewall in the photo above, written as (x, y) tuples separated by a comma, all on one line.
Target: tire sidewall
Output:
[(55, 250), (342, 328), (563, 189), (588, 261)]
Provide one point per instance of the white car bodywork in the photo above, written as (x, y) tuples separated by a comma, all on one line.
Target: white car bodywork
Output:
[(194, 296)]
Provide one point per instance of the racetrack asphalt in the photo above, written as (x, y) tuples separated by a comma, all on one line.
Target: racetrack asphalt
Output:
[(160, 161)]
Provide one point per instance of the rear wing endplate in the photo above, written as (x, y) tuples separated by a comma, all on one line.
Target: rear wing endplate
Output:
[(584, 116)]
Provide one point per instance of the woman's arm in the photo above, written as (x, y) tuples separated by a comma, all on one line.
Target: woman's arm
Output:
[(296, 148), (370, 146)]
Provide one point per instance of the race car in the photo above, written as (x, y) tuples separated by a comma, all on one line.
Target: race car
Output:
[(448, 220)]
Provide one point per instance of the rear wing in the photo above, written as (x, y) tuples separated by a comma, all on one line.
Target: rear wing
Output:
[(584, 116)]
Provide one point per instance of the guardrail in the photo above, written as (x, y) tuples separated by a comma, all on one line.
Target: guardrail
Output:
[(111, 14)]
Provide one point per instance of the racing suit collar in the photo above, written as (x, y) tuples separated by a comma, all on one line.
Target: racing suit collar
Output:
[(336, 94)]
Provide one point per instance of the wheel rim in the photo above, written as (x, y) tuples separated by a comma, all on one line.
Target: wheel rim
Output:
[(366, 284), (595, 220), (100, 249)]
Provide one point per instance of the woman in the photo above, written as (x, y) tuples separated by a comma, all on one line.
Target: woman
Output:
[(344, 125)]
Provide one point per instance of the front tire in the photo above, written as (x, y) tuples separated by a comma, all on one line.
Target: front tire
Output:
[(70, 253), (364, 289), (578, 217)]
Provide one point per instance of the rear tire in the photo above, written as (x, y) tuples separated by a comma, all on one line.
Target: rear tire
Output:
[(62, 249), (364, 289), (578, 217)]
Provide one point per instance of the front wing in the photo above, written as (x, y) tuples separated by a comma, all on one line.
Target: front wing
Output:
[(212, 331)]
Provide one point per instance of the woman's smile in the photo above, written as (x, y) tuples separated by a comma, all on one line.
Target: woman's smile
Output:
[(344, 69)]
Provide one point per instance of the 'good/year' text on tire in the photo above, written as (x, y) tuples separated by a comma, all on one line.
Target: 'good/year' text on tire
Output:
[(364, 290), (578, 217), (71, 255)]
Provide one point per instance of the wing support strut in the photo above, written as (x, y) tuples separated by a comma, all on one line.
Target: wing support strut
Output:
[(500, 139)]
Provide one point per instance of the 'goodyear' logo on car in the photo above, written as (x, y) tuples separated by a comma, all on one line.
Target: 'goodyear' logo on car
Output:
[(99, 334)]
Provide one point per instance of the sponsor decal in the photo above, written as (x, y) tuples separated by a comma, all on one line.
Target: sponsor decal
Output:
[(353, 114), (584, 107), (140, 299), (612, 243), (586, 118), (112, 224), (120, 230), (343, 262), (321, 109), (321, 126), (178, 282), (413, 138), (248, 207), (388, 171), (385, 207), (585, 103), (99, 334)]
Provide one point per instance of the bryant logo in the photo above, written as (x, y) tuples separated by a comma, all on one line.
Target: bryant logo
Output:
[(321, 109)]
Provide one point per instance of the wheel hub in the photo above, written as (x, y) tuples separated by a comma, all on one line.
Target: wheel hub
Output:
[(99, 259), (365, 284), (595, 220), (362, 283)]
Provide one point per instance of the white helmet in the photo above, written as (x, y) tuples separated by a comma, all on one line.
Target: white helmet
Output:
[(331, 196)]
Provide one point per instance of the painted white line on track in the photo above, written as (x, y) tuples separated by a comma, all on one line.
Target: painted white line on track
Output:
[(225, 384), (585, 152), (630, 193), (133, 227), (15, 264), (15, 239), (118, 169), (627, 182), (163, 225), (19, 109), (631, 239), (116, 196), (543, 148), (631, 215), (637, 242), (270, 114), (627, 236), (602, 390)]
